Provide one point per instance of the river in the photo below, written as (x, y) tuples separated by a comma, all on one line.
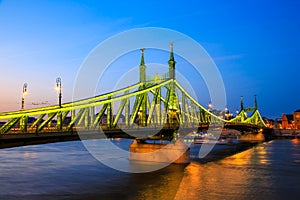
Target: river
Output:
[(66, 170)]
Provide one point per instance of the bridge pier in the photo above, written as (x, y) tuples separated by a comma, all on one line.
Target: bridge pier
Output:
[(177, 153)]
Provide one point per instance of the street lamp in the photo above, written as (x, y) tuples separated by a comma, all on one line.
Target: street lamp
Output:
[(24, 92), (58, 88), (210, 106)]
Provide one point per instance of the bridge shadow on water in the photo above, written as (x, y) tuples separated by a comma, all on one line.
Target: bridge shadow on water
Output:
[(219, 152)]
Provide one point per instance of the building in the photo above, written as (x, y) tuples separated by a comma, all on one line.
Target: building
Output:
[(291, 121), (287, 121), (296, 116)]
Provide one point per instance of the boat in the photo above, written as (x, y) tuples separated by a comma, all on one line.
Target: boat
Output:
[(205, 138), (211, 139)]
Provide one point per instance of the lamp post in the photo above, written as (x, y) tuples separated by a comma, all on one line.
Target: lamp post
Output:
[(210, 106), (24, 92), (227, 113), (58, 88)]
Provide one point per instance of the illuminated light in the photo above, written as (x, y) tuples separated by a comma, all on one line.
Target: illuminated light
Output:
[(210, 105)]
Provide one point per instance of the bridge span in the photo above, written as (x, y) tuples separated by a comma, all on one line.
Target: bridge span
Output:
[(154, 103)]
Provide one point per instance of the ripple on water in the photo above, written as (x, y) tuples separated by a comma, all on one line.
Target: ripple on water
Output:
[(67, 171)]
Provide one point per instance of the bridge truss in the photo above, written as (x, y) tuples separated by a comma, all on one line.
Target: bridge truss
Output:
[(153, 104), (156, 103)]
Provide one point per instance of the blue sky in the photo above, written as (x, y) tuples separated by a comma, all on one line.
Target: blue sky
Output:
[(255, 44)]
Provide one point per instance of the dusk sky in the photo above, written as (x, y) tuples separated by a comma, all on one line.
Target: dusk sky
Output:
[(255, 45)]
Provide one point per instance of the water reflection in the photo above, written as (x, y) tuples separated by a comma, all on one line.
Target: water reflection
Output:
[(162, 184), (257, 154), (27, 154), (234, 177), (68, 171)]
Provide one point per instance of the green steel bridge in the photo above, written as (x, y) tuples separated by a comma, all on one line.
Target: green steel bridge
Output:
[(158, 103)]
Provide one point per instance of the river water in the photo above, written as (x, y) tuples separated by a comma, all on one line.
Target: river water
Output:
[(67, 171)]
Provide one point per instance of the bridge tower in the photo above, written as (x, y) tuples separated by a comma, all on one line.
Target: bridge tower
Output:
[(172, 95), (173, 110), (142, 114), (243, 113)]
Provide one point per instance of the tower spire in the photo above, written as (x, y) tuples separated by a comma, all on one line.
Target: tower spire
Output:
[(255, 102), (142, 67), (171, 62), (171, 51), (242, 104), (142, 58)]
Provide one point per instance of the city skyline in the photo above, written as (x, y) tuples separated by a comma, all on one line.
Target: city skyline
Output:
[(251, 43)]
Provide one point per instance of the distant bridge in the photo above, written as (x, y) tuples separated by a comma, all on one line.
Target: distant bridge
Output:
[(157, 102)]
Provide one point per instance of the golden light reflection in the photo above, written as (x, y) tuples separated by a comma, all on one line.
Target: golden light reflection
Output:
[(257, 154), (212, 181), (295, 141), (229, 176), (29, 154), (242, 158), (162, 185), (192, 177)]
